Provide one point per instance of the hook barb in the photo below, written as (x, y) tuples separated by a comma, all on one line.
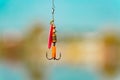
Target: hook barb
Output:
[(59, 57), (48, 57)]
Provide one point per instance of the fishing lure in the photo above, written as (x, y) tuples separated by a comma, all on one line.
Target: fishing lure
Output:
[(52, 39)]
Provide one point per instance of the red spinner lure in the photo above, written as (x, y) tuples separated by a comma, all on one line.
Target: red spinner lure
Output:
[(52, 39)]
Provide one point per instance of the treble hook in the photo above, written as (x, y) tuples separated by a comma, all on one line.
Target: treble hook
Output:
[(53, 58), (53, 54)]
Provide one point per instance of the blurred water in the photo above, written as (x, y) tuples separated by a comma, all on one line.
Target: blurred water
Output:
[(67, 72)]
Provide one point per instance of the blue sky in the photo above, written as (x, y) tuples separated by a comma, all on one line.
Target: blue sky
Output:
[(71, 15)]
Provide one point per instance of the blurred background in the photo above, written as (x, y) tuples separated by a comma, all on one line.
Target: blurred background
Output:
[(88, 38)]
